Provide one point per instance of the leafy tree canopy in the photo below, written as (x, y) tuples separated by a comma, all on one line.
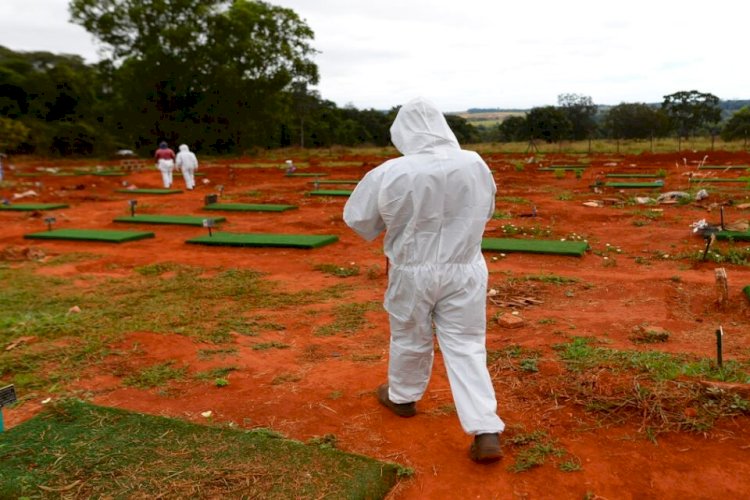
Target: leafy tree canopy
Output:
[(636, 121), (580, 111), (691, 110), (738, 126)]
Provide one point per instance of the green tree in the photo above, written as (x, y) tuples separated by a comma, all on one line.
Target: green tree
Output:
[(464, 131), (55, 97), (635, 121), (548, 123), (12, 134), (580, 111), (514, 128), (213, 73), (738, 126), (691, 110)]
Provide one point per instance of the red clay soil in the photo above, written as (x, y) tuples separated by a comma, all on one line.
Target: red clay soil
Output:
[(636, 273)]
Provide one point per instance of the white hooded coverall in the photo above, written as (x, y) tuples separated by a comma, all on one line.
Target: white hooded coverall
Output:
[(188, 163), (433, 203)]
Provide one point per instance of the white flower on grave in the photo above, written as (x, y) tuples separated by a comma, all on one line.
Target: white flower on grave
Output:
[(45, 401), (606, 258), (207, 414), (562, 239), (502, 255)]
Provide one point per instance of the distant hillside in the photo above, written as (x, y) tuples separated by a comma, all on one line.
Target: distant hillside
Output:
[(487, 117)]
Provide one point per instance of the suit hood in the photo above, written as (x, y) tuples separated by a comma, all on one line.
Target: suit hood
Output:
[(420, 127)]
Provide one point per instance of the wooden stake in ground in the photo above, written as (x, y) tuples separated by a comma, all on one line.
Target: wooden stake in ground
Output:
[(722, 288)]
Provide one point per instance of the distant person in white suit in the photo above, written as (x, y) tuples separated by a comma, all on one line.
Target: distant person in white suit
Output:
[(188, 163)]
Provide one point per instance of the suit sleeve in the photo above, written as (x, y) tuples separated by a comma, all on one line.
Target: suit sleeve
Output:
[(361, 212)]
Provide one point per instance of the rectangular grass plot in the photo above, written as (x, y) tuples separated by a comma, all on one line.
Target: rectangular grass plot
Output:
[(106, 235), (331, 192), (249, 207), (149, 191), (635, 185), (699, 180), (724, 167), (265, 240), (100, 452), (733, 235), (553, 247), (335, 181), (30, 207), (184, 220), (306, 174), (633, 176)]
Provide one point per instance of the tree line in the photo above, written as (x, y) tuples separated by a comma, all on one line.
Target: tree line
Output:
[(233, 76)]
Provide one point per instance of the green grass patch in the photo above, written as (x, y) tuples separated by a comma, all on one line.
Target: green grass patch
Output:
[(180, 220), (264, 346), (105, 235), (249, 207), (74, 448), (156, 376), (330, 192), (662, 391), (29, 207), (339, 271), (348, 319), (535, 448), (207, 308), (265, 240), (569, 248), (581, 354)]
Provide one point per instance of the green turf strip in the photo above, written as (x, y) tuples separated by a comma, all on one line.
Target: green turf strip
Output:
[(634, 176), (746, 291), (249, 207), (654, 185), (335, 181), (733, 235), (331, 192), (718, 179), (28, 207), (149, 191), (306, 174), (109, 235), (79, 450), (724, 167), (184, 220), (265, 240), (110, 173), (575, 248), (555, 169)]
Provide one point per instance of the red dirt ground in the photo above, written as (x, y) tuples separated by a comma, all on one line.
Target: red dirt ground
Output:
[(331, 380)]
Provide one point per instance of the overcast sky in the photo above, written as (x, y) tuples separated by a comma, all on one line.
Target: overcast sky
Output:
[(484, 53)]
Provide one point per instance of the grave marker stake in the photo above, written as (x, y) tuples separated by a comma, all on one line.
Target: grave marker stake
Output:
[(719, 335), (132, 204), (7, 396), (209, 223), (50, 221)]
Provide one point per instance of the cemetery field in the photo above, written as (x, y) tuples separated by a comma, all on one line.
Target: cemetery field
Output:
[(602, 324)]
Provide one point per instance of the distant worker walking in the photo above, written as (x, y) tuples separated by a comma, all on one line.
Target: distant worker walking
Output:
[(164, 157), (188, 163), (433, 204)]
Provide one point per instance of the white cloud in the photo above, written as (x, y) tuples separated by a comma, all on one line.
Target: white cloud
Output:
[(483, 53)]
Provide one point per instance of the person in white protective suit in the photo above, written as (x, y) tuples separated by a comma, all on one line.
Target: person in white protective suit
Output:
[(188, 163), (433, 204), (164, 157)]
